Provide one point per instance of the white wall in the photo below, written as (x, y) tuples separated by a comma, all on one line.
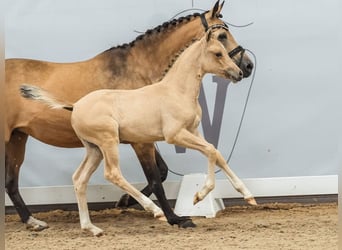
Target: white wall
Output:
[(292, 123)]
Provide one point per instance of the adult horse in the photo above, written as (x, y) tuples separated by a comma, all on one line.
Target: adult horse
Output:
[(128, 66), (168, 110)]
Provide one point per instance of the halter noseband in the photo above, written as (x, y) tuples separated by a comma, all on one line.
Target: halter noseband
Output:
[(232, 53)]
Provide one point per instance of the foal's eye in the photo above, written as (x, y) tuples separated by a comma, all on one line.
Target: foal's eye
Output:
[(218, 54)]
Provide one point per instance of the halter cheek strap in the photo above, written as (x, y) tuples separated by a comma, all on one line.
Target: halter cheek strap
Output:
[(235, 51), (204, 21)]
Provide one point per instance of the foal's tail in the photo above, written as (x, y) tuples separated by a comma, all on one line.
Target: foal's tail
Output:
[(36, 93)]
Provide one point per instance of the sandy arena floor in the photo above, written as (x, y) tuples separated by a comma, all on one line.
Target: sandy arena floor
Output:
[(268, 226)]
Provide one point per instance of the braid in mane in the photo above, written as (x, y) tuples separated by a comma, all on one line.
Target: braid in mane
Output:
[(160, 28)]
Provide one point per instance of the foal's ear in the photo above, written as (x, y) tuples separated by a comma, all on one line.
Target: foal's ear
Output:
[(209, 35)]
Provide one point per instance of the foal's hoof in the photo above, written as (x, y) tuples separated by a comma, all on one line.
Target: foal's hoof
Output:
[(161, 218), (125, 201), (251, 201), (197, 198)]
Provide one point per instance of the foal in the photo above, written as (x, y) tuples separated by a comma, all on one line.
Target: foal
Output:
[(168, 110)]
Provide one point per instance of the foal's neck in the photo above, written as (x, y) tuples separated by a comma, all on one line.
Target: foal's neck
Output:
[(186, 74)]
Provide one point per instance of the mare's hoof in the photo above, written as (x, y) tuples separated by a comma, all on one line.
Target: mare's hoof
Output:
[(37, 228), (186, 223), (183, 222), (36, 225), (125, 201)]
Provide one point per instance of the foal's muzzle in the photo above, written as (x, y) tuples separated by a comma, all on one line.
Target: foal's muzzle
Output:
[(233, 76)]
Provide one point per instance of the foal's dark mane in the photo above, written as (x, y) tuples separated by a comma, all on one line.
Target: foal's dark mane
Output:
[(160, 28)]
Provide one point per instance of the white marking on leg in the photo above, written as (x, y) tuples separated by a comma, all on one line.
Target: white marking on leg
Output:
[(151, 206), (35, 224)]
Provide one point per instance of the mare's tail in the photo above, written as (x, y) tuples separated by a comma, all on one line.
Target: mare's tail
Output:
[(36, 93)]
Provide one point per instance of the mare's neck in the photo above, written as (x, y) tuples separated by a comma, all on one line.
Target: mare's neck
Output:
[(144, 60)]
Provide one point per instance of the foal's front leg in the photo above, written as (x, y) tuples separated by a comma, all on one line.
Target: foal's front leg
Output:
[(236, 182), (193, 140)]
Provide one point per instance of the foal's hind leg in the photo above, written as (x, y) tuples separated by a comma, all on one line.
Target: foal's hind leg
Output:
[(14, 157), (80, 179), (146, 161), (113, 173)]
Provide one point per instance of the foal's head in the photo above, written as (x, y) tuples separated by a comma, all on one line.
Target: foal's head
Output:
[(216, 60)]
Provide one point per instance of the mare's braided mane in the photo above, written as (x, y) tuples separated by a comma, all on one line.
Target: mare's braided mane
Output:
[(160, 28)]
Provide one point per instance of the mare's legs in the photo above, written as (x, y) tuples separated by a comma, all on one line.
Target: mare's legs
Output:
[(186, 139), (145, 153), (14, 157), (156, 159)]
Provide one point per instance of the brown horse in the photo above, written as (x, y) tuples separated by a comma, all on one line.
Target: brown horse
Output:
[(129, 66), (167, 110)]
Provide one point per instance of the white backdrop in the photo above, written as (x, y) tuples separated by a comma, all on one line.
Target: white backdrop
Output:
[(292, 123)]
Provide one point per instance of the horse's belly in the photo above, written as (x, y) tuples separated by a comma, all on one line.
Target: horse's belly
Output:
[(52, 130), (139, 135), (140, 131)]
